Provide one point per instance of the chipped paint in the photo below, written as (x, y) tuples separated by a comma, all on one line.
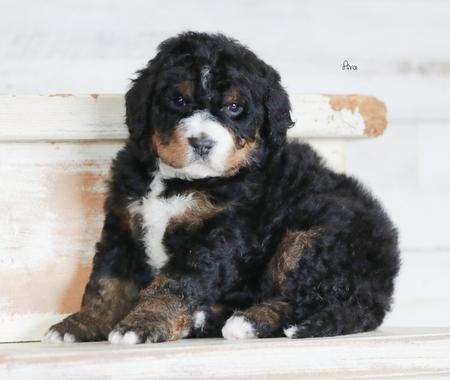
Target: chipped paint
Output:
[(314, 117), (325, 116), (371, 109)]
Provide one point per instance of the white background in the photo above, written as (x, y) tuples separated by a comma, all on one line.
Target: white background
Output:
[(401, 49)]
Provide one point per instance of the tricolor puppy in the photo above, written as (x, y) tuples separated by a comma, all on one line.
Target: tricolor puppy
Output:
[(215, 225)]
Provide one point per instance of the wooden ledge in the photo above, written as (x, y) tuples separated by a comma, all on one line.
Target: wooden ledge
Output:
[(404, 352), (66, 117)]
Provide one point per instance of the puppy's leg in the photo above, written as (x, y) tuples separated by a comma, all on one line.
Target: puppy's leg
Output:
[(267, 319), (336, 283), (158, 316), (334, 319), (163, 316), (117, 276), (166, 308), (106, 300), (262, 320)]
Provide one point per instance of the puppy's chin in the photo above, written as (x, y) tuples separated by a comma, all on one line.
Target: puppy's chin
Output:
[(194, 170)]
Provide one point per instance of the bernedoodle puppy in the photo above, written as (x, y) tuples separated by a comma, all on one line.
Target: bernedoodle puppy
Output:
[(215, 225)]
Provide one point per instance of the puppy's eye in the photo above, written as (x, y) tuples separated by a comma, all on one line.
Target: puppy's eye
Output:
[(179, 101), (233, 109)]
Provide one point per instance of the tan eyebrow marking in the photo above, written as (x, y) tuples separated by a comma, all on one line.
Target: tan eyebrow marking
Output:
[(186, 88), (232, 95)]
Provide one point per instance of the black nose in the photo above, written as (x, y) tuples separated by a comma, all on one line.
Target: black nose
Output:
[(201, 145)]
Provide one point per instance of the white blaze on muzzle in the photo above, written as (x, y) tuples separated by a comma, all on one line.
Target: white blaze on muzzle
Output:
[(202, 124)]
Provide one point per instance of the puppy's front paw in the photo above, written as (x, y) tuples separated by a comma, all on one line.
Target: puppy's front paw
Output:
[(77, 327), (54, 336), (123, 334), (148, 329), (238, 327)]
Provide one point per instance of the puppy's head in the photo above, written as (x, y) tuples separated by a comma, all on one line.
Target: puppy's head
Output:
[(206, 105)]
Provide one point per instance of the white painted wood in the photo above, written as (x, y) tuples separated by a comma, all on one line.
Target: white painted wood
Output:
[(100, 117), (385, 354), (408, 170), (333, 151), (62, 117), (51, 199)]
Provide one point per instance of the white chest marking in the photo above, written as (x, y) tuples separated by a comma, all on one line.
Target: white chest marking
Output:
[(156, 212)]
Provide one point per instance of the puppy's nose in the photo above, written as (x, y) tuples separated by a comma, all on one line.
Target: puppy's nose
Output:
[(201, 145)]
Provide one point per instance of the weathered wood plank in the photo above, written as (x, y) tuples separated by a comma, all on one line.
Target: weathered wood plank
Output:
[(62, 117), (403, 353), (100, 117), (51, 200)]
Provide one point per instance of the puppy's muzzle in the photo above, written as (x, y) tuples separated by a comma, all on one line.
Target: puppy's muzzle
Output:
[(201, 145)]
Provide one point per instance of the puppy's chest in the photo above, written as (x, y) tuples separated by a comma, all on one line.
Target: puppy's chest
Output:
[(160, 215)]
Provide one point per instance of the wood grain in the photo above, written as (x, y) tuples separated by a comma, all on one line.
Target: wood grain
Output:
[(51, 201), (385, 354)]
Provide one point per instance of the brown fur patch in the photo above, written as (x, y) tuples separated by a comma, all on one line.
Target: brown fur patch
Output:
[(174, 150), (216, 307), (241, 154), (231, 96), (186, 88), (109, 299), (289, 253), (128, 222), (268, 313), (199, 210), (372, 110), (155, 286)]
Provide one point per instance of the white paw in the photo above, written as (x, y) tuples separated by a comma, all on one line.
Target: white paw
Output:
[(238, 327), (185, 333), (116, 337), (69, 338), (199, 319), (290, 331), (54, 336)]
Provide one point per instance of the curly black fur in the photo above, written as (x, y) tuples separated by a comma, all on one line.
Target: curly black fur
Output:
[(343, 280)]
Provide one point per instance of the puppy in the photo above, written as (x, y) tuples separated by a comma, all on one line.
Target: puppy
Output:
[(215, 225)]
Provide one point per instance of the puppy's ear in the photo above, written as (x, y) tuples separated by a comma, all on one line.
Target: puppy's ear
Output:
[(138, 102), (277, 109)]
